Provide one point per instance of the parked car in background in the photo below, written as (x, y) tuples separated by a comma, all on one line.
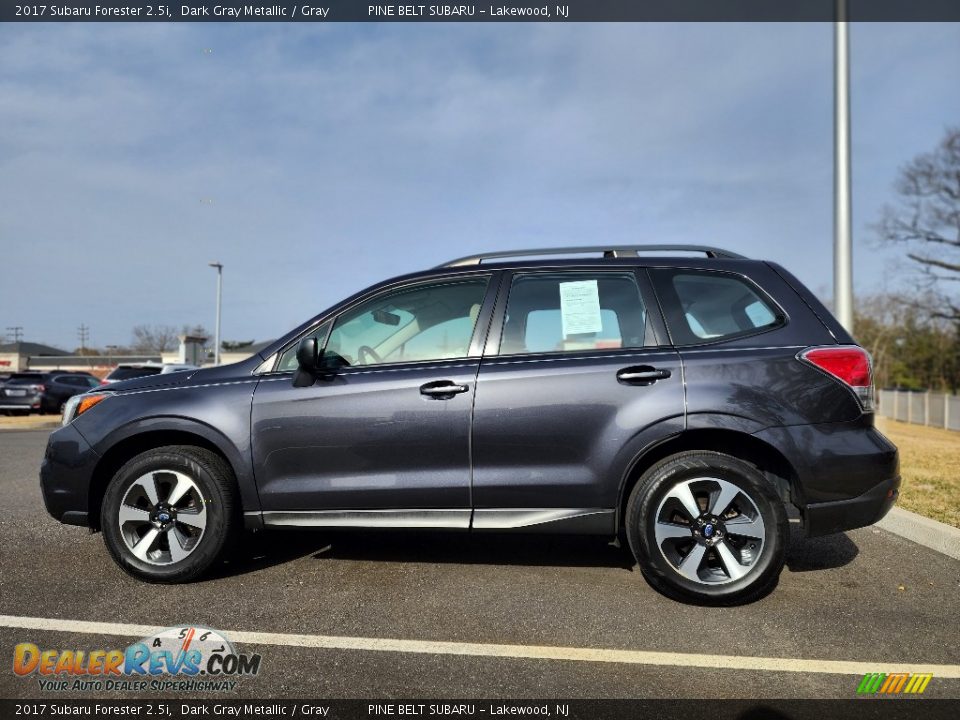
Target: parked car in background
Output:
[(130, 372), (42, 392)]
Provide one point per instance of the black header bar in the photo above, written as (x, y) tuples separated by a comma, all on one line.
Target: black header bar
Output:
[(495, 11)]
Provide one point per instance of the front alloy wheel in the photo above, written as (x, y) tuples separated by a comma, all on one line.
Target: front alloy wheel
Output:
[(170, 513), (162, 517)]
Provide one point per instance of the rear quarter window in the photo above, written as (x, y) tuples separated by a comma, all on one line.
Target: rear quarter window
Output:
[(707, 306)]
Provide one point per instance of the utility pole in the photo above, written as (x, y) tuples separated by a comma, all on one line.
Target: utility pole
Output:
[(83, 332), (842, 211), (216, 350), (17, 332)]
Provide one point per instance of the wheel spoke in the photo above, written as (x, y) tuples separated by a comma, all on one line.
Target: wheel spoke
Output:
[(691, 563), (196, 520), (728, 492), (148, 483), (145, 544), (183, 486), (177, 551), (128, 513), (684, 495), (733, 566), (671, 531), (747, 527)]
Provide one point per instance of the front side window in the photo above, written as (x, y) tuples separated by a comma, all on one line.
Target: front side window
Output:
[(705, 306), (568, 312), (423, 323)]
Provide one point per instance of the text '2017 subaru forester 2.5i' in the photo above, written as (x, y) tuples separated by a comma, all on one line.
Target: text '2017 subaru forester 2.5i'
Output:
[(685, 403)]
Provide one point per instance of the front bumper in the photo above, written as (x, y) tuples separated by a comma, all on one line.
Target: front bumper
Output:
[(65, 474), (839, 515)]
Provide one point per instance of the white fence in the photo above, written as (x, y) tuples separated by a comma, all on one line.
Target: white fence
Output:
[(923, 408)]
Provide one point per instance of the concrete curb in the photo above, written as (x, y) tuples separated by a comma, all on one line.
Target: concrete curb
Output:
[(7, 425), (932, 534)]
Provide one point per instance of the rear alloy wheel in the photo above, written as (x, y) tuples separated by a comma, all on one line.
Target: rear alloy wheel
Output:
[(707, 527), (168, 514)]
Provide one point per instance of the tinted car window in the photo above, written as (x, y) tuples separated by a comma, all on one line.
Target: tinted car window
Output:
[(705, 306), (130, 373), (81, 381), (25, 379), (426, 322), (573, 311)]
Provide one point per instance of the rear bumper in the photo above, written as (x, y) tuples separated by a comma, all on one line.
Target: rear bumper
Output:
[(839, 515), (847, 475), (65, 474), (30, 402)]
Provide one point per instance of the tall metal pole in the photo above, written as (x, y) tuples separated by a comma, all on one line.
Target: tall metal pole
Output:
[(216, 351), (842, 212)]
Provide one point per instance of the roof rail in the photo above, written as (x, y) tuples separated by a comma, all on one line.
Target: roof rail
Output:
[(609, 251)]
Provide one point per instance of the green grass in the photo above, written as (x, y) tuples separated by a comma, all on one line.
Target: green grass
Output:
[(930, 465)]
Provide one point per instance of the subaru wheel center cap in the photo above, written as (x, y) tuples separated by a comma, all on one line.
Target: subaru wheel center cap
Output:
[(708, 531)]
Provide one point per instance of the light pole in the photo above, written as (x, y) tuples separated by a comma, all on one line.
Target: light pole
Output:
[(842, 244), (216, 349)]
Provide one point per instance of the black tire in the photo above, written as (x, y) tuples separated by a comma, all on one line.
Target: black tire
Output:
[(214, 480), (717, 586)]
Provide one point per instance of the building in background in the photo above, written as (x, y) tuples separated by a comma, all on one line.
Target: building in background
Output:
[(15, 357)]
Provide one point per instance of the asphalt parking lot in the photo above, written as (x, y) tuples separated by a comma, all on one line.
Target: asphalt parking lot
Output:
[(473, 612)]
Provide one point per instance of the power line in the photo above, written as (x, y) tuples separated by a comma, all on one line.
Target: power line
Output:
[(83, 332)]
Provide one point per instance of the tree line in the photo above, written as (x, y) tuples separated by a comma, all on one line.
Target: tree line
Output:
[(914, 335)]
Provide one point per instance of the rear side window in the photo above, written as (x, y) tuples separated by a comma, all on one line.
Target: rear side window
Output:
[(572, 312), (25, 379), (704, 306)]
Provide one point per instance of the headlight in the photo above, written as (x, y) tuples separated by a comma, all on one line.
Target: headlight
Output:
[(79, 404)]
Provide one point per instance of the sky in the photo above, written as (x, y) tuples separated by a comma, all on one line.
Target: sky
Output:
[(315, 160)]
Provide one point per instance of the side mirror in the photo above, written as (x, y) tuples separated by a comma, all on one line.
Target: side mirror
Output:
[(308, 356), (309, 363)]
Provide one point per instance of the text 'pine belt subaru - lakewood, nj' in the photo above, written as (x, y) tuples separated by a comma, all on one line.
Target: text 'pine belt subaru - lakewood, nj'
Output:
[(688, 404)]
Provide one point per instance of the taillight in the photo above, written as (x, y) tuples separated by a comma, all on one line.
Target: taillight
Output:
[(848, 363)]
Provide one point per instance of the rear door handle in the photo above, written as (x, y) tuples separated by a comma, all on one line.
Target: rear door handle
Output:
[(442, 389), (642, 375)]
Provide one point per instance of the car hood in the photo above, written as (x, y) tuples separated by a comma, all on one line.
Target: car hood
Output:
[(185, 377)]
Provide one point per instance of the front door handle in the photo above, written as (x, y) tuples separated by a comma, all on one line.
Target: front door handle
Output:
[(442, 389), (642, 375)]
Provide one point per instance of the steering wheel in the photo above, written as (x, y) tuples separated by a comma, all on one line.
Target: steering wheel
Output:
[(365, 351)]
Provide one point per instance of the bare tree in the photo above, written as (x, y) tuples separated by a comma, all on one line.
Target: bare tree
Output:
[(926, 220), (154, 338), (195, 330)]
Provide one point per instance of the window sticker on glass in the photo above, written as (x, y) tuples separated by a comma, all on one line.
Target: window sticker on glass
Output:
[(580, 307)]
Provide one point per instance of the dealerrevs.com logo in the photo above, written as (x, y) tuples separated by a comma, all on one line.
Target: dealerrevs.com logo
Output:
[(178, 659)]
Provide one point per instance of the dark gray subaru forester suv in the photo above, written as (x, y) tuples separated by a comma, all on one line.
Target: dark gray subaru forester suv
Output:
[(688, 404)]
